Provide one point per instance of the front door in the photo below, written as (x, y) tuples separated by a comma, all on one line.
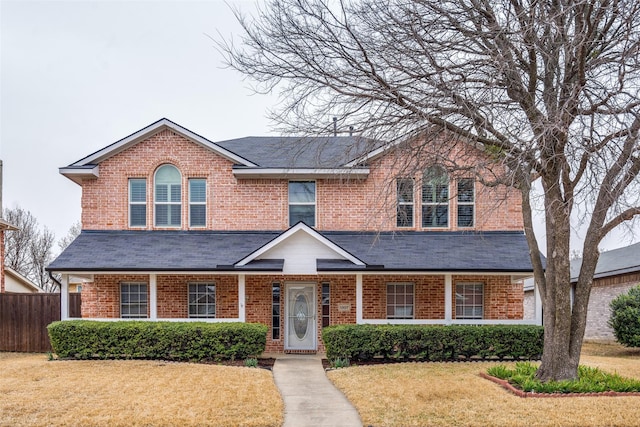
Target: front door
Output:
[(300, 316)]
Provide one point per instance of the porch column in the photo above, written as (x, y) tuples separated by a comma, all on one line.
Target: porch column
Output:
[(153, 297), (358, 298), (242, 313), (448, 292), (538, 303), (64, 297)]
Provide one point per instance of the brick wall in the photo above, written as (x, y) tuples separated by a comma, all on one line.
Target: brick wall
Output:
[(602, 293), (262, 204)]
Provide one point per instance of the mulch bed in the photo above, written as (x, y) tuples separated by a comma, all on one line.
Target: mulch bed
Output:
[(264, 363), (528, 394)]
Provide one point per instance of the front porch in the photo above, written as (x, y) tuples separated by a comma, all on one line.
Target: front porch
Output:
[(297, 307)]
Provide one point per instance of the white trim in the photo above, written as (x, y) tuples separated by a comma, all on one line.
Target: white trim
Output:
[(299, 173), (153, 297), (284, 236), (151, 130), (146, 319), (472, 204), (279, 273), (169, 203), (448, 298), (359, 298), (445, 322), (242, 315), (78, 174), (64, 297)]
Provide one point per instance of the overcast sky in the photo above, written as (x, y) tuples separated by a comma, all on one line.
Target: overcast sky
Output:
[(79, 75)]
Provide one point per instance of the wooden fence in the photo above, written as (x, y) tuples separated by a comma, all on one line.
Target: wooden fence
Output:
[(24, 319)]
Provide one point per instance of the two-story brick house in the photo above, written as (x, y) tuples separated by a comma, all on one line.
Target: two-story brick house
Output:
[(295, 233)]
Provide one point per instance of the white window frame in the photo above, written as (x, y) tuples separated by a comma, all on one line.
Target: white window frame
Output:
[(405, 203), (138, 203), (203, 203), (435, 204), (472, 203), (215, 303), (395, 305), (314, 203), (168, 203), (146, 302), (463, 305)]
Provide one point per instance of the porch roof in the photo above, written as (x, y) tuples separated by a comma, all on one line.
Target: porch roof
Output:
[(104, 251)]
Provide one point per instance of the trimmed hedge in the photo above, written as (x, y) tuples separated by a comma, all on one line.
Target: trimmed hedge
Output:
[(179, 341), (433, 343)]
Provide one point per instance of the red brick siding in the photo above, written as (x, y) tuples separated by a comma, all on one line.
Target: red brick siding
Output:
[(262, 204), (173, 294), (502, 298)]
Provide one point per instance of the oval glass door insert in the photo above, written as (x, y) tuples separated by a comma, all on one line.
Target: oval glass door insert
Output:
[(301, 310)]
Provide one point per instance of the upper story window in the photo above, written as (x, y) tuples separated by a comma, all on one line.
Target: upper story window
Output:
[(404, 215), (302, 202), (435, 198), (168, 197), (466, 200), (137, 202), (197, 202)]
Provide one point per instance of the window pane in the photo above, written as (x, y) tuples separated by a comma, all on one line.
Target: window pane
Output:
[(405, 190), (176, 193), (198, 215), (175, 215), (197, 191), (405, 216), (304, 213), (302, 192), (138, 190), (469, 301), (162, 193), (465, 215), (138, 215), (168, 174), (202, 300), (162, 215), (465, 190)]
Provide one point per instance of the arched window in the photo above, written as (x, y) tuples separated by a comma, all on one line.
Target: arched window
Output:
[(435, 198), (168, 196)]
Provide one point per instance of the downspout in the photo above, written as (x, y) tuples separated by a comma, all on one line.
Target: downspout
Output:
[(55, 280)]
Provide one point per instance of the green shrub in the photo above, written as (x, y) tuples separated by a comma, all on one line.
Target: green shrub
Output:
[(180, 341), (432, 343), (625, 318)]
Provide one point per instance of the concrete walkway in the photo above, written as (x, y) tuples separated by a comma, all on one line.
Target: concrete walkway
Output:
[(310, 399)]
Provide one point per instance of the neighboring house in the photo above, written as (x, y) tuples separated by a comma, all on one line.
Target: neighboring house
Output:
[(15, 282), (295, 233), (617, 271), (4, 226)]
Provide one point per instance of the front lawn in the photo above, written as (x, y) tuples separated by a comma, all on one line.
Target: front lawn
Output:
[(37, 392), (453, 394)]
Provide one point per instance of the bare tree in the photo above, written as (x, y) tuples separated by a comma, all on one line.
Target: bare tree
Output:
[(73, 232), (28, 250), (548, 89)]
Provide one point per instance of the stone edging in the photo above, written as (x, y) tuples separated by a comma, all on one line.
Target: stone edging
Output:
[(528, 394)]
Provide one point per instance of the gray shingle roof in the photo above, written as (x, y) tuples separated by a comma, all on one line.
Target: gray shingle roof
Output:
[(299, 152), (96, 251), (612, 263)]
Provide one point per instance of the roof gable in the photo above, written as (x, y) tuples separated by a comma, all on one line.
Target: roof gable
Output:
[(300, 246)]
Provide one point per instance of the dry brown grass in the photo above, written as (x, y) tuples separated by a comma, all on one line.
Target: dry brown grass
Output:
[(36, 392), (452, 394)]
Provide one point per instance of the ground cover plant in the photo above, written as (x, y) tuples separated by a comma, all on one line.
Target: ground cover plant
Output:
[(38, 392), (453, 394), (590, 380)]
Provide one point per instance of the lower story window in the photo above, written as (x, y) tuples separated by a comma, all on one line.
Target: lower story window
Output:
[(275, 311), (133, 300), (326, 305), (469, 301), (202, 300), (399, 300)]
